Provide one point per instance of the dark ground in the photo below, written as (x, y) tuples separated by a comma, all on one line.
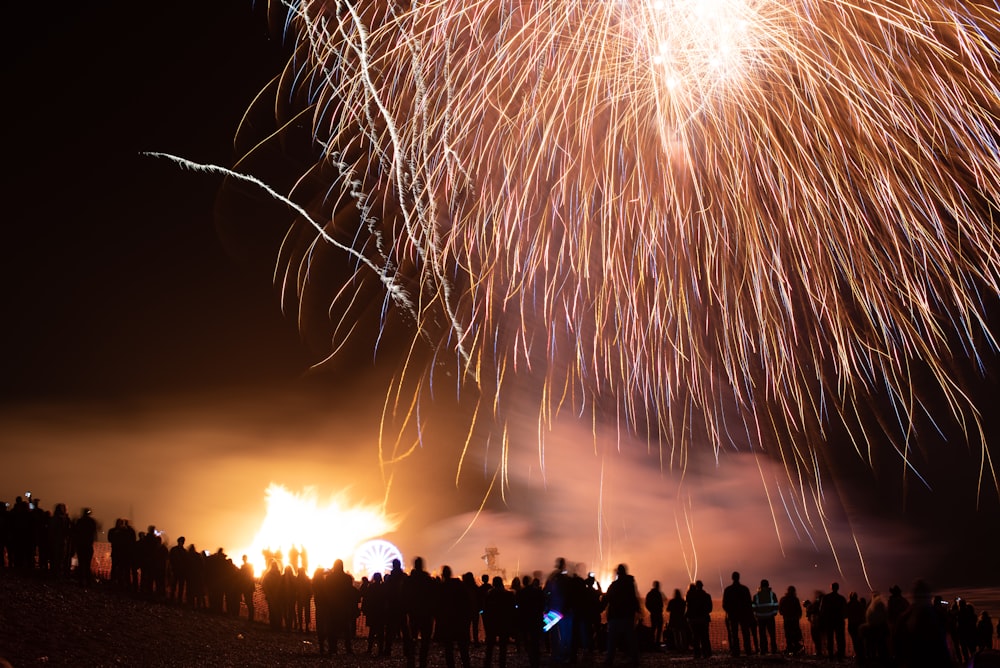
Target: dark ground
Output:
[(61, 624)]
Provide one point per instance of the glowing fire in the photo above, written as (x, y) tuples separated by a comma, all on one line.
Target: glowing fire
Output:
[(297, 522)]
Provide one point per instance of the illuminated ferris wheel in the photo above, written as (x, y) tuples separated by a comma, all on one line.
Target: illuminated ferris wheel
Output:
[(375, 556)]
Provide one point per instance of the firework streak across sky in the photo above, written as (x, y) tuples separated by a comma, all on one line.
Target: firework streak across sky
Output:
[(686, 214)]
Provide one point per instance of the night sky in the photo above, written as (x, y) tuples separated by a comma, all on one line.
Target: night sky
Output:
[(121, 284), (148, 369)]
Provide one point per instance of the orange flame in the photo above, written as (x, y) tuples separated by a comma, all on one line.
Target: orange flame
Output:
[(323, 532)]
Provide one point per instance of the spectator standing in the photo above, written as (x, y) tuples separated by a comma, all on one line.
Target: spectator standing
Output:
[(875, 631), (558, 596), (419, 596), (177, 561), (343, 605), (530, 602), (60, 548), (499, 610), (765, 609), (921, 640), (84, 534), (790, 610), (856, 609), (680, 634), (699, 616), (833, 613), (654, 604), (984, 631), (248, 582), (622, 598), (395, 610), (738, 606), (453, 618), (373, 608), (271, 584)]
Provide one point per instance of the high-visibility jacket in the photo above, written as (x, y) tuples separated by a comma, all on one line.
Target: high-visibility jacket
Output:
[(765, 604)]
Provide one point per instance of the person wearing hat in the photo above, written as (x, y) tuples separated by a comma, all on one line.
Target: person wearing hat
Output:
[(765, 609)]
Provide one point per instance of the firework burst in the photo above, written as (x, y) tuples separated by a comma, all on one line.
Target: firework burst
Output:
[(688, 210)]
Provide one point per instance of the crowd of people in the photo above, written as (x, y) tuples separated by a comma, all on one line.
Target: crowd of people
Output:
[(561, 615)]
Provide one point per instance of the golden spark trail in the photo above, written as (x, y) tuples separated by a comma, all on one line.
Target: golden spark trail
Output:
[(689, 211)]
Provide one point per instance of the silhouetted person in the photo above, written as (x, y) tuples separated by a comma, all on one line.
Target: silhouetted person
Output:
[(874, 633), (966, 621), (395, 607), (738, 606), (5, 554), (271, 585), (622, 599), (984, 631), (344, 599), (920, 640), (558, 594), (303, 601), (816, 631), (177, 558), (475, 608), (699, 616), (896, 605), (453, 618), (196, 578), (40, 528), (123, 561), (373, 607), (248, 582), (233, 585), (156, 564), (215, 580), (765, 609), (418, 600), (856, 610), (141, 564), (324, 602), (589, 606), (654, 606), (832, 615), (481, 591), (517, 637), (530, 610), (286, 599), (84, 534), (19, 535), (60, 547), (679, 633), (499, 615), (790, 610), (951, 628)]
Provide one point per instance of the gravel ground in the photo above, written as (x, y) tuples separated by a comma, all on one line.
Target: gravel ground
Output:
[(46, 623)]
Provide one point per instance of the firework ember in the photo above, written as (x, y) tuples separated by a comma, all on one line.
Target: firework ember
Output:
[(685, 210)]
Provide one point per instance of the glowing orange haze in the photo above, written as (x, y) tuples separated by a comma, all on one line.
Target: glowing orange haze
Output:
[(198, 469)]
